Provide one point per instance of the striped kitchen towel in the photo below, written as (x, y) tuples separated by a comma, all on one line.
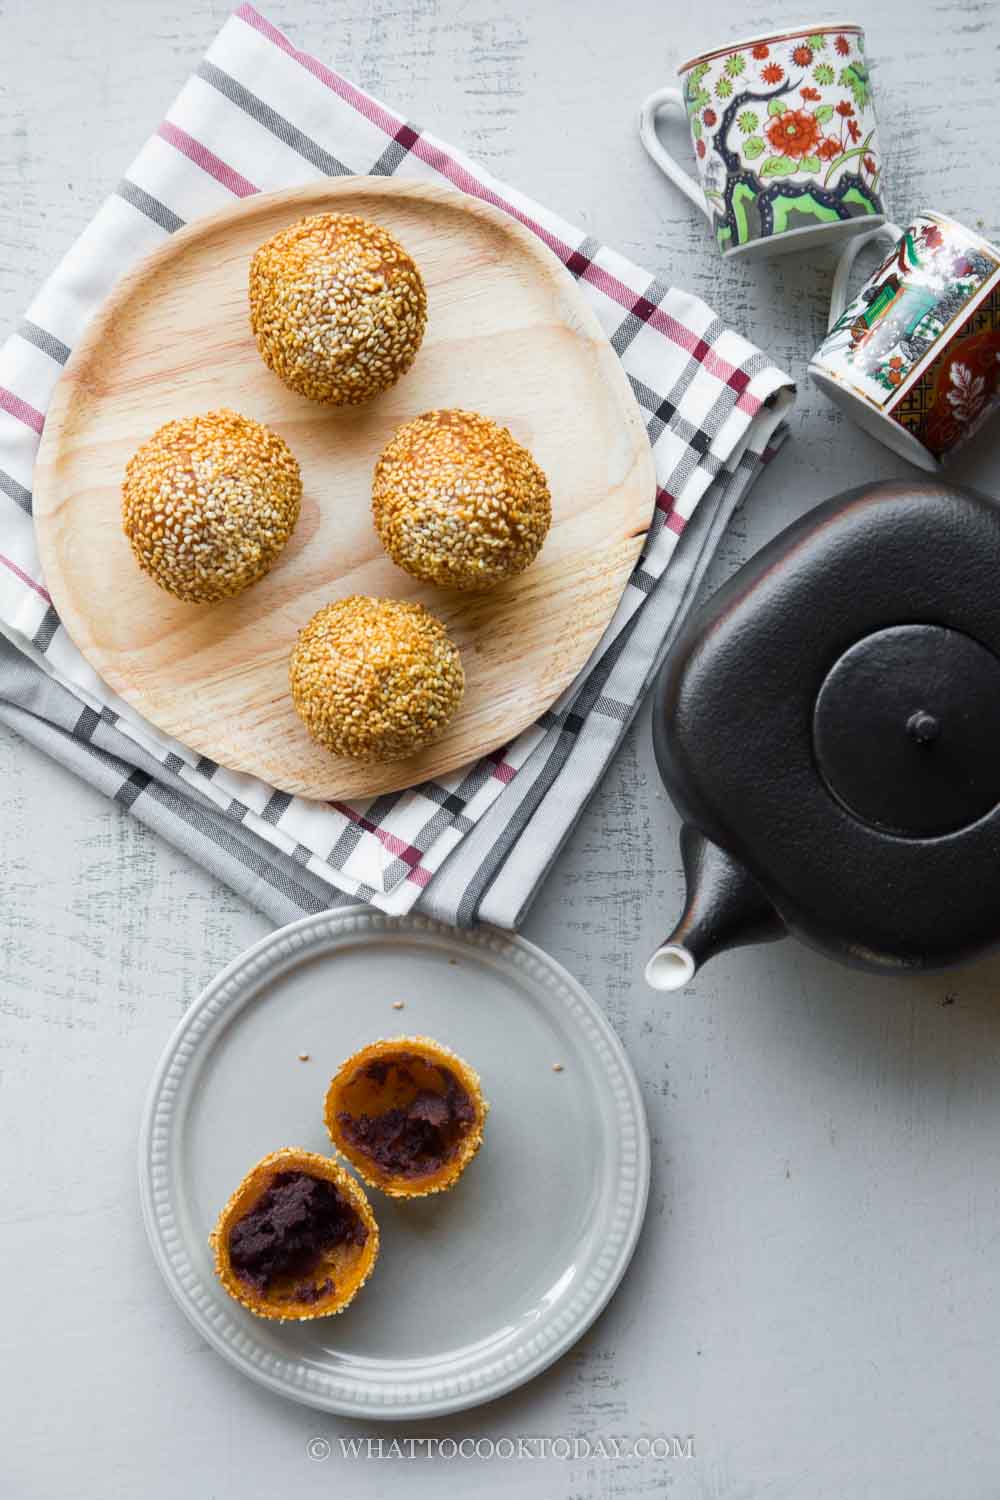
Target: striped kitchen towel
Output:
[(259, 115)]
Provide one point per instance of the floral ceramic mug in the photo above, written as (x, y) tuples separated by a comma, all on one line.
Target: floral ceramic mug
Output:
[(784, 136), (915, 356)]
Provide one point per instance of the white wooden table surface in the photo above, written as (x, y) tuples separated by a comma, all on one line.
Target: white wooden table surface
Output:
[(815, 1297)]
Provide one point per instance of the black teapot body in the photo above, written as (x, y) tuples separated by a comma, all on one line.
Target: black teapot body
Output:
[(828, 725)]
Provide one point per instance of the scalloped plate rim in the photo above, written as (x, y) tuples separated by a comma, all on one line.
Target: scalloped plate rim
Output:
[(310, 936)]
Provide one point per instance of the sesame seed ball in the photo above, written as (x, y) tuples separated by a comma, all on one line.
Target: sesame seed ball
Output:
[(457, 502), (208, 503), (337, 307), (375, 679)]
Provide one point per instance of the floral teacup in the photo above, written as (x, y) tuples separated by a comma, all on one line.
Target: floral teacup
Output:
[(915, 356), (784, 136)]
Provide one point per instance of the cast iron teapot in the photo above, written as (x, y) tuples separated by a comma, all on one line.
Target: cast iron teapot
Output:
[(828, 725)]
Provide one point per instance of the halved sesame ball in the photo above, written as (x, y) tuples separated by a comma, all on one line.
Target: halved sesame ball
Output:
[(408, 1113), (457, 502), (375, 679), (297, 1240), (337, 307), (208, 503)]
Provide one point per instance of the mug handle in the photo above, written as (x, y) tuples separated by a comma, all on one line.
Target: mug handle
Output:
[(838, 292), (647, 134)]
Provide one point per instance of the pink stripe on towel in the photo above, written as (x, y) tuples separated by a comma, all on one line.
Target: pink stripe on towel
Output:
[(207, 160)]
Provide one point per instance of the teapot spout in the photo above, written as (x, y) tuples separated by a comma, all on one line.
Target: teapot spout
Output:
[(724, 908)]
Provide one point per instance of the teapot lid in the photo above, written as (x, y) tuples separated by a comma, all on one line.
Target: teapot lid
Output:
[(906, 727)]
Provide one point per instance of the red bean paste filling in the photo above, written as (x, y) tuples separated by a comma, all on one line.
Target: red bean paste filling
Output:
[(288, 1230), (419, 1139)]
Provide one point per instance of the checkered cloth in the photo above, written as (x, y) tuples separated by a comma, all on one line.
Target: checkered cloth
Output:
[(260, 115)]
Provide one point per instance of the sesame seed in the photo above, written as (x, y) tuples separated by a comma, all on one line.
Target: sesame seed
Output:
[(375, 679), (338, 308), (208, 503), (458, 502)]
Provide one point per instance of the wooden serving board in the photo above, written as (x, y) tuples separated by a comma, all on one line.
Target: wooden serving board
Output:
[(509, 335)]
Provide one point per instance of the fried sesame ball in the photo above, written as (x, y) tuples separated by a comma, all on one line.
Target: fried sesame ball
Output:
[(341, 1262), (208, 503), (337, 307), (457, 502), (408, 1113), (375, 679)]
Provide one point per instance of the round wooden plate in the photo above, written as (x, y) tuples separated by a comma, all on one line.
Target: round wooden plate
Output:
[(509, 334)]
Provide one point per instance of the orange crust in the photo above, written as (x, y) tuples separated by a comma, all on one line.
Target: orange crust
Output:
[(435, 1055), (349, 1266)]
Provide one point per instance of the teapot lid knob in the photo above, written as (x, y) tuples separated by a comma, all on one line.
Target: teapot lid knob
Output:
[(923, 727)]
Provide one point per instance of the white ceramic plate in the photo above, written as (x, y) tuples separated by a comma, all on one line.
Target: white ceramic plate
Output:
[(476, 1290)]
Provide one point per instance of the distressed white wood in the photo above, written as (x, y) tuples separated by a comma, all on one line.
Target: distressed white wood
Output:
[(814, 1297)]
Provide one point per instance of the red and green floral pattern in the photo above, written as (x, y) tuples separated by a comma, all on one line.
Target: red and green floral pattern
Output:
[(785, 133)]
